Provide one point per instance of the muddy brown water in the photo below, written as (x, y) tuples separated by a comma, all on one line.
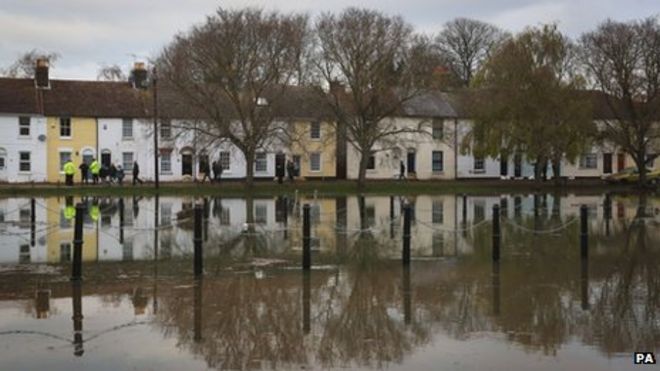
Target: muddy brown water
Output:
[(138, 306)]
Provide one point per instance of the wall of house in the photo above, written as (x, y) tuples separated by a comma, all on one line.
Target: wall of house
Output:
[(11, 143), (303, 145), (83, 137), (396, 148)]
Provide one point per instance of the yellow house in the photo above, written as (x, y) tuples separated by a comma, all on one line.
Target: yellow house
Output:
[(69, 138), (59, 241), (314, 149)]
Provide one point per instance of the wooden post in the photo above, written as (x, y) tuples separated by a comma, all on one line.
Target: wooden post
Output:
[(307, 253), (608, 213), (496, 233), (121, 220), (405, 255), (76, 271), (584, 232), (33, 222), (197, 239)]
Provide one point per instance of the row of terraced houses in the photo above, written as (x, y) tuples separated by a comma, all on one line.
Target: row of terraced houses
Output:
[(45, 122)]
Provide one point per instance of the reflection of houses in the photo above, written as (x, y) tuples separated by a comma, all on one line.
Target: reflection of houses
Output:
[(16, 242)]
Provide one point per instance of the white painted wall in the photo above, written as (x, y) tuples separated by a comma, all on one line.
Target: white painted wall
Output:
[(12, 143)]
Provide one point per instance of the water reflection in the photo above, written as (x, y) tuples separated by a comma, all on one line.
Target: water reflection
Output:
[(366, 310)]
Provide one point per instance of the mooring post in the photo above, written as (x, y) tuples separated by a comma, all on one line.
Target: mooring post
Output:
[(307, 307), (405, 255), (607, 208), (464, 210), (197, 239), (121, 220), (33, 222), (76, 271), (496, 233), (307, 252), (584, 232)]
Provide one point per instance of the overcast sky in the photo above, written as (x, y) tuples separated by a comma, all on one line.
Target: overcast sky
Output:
[(90, 33)]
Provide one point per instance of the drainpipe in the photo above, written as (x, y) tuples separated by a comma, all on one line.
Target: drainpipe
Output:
[(456, 151)]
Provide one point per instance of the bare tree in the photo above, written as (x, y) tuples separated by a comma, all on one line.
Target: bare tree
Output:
[(111, 73), (465, 44), (24, 66), (623, 60), (233, 71), (366, 58)]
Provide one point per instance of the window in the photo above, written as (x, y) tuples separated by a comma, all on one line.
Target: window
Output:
[(24, 126), (166, 130), (165, 162), (371, 164), (437, 163), (437, 216), (438, 129), (24, 217), (2, 162), (315, 130), (127, 161), (224, 160), (65, 252), (479, 164), (127, 128), (260, 214), (24, 163), (260, 164), (261, 101), (589, 161), (315, 161), (166, 215), (65, 156), (65, 127)]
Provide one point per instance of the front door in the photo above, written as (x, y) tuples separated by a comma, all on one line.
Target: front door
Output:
[(296, 165), (607, 163), (106, 159), (517, 166), (280, 164), (504, 165), (620, 161), (411, 162), (187, 164)]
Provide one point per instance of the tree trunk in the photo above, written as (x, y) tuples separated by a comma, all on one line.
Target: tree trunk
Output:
[(251, 238), (362, 171), (556, 170), (640, 161), (537, 170), (249, 167)]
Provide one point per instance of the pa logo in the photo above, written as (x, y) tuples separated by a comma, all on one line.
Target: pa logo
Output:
[(644, 358)]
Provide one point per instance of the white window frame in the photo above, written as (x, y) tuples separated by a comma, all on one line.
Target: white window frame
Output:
[(261, 158), (66, 120), (165, 162), (21, 162), (311, 162), (165, 127), (128, 167), (589, 161), (315, 130), (60, 153), (23, 125), (479, 165), (442, 162), (227, 157), (261, 213), (438, 126), (127, 128)]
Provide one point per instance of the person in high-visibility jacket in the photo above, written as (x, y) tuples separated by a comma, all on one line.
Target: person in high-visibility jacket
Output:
[(69, 172), (95, 169)]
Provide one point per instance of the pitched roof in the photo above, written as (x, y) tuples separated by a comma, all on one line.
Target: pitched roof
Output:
[(73, 98), (429, 104)]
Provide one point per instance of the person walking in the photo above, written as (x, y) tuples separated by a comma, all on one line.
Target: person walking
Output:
[(84, 169), (112, 172), (120, 175), (204, 168), (69, 172), (136, 173), (217, 171), (402, 170), (290, 170), (95, 169)]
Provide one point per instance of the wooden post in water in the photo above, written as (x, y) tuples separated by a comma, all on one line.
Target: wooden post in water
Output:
[(307, 252), (33, 222), (405, 255), (496, 233), (76, 271), (584, 232), (464, 210), (607, 208), (76, 301), (121, 220), (197, 239)]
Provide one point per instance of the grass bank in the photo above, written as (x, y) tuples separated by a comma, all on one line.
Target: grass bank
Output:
[(323, 188)]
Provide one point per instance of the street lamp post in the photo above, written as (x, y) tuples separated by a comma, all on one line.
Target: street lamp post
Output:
[(155, 116)]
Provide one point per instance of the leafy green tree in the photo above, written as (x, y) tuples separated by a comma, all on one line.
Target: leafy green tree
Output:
[(529, 100)]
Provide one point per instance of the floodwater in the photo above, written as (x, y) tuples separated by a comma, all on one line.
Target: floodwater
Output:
[(542, 307)]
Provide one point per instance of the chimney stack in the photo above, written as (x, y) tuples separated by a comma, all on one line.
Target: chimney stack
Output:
[(139, 76), (41, 74)]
